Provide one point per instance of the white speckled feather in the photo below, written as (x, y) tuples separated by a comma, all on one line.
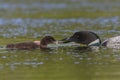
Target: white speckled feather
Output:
[(113, 42)]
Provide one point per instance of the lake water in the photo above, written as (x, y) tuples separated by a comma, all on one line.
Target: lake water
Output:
[(31, 20)]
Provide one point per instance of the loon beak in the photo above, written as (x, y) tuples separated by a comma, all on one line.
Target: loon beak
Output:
[(60, 42), (65, 40), (71, 39)]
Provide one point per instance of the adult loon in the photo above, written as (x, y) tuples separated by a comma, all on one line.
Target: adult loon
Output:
[(89, 39), (33, 44)]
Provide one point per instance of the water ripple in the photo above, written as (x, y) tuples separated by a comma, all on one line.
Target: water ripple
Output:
[(40, 22), (20, 26), (89, 6)]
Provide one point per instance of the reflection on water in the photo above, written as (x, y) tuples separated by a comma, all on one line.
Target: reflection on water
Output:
[(81, 4), (41, 22), (61, 62), (60, 54)]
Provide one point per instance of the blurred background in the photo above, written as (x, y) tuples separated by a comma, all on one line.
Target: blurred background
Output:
[(28, 20)]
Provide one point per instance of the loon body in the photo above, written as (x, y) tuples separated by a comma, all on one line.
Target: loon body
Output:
[(113, 42)]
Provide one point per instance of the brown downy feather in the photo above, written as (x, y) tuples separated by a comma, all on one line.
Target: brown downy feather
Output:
[(23, 46), (32, 45)]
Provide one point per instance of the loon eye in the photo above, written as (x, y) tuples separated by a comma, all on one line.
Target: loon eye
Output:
[(76, 36)]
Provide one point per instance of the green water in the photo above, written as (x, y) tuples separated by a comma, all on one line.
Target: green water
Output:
[(61, 63), (28, 20)]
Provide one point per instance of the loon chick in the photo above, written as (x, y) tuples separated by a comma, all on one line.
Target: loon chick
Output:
[(87, 38), (32, 45), (113, 42)]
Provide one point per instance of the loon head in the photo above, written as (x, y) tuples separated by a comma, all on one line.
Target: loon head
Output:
[(47, 40), (84, 37)]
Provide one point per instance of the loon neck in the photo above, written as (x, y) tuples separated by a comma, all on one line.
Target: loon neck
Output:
[(95, 43), (37, 43)]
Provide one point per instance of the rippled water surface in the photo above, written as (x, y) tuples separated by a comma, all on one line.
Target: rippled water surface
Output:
[(31, 20)]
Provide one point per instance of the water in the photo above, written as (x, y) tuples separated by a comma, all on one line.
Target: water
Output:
[(31, 20), (61, 63)]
